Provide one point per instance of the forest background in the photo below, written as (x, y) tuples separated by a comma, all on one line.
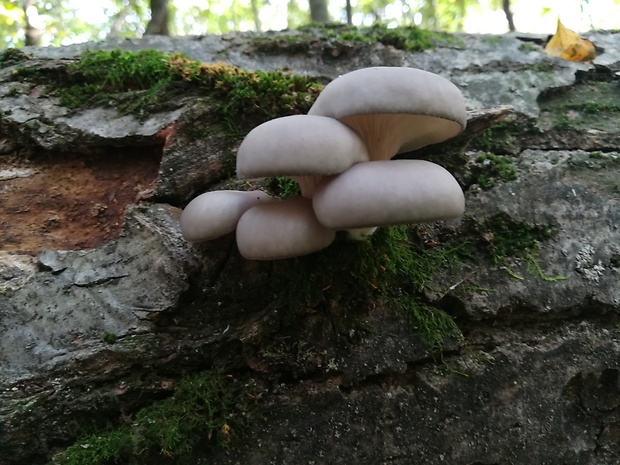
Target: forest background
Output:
[(62, 22)]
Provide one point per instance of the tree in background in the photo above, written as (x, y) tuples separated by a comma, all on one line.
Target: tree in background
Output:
[(32, 30), (34, 22), (318, 11), (160, 18), (508, 13)]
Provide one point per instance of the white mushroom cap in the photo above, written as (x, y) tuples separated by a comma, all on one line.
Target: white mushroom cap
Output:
[(214, 214), (394, 109), (283, 229), (381, 193), (305, 148)]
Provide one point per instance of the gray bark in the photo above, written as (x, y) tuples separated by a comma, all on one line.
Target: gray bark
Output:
[(537, 380)]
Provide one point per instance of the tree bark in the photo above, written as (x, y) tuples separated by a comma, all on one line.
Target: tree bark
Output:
[(93, 332), (160, 18), (318, 11)]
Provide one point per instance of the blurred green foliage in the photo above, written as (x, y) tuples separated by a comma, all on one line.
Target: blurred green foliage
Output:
[(71, 21)]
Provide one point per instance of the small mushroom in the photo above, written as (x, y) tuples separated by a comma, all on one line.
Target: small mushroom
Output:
[(382, 193), (301, 147), (214, 214), (394, 109), (284, 229)]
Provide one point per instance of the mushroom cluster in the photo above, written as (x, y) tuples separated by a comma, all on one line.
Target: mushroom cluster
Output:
[(340, 154)]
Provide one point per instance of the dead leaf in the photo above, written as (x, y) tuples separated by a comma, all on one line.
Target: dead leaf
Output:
[(567, 45)]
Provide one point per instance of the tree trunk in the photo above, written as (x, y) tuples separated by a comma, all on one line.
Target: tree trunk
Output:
[(318, 11), (105, 308), (160, 18), (258, 27), (349, 12), (508, 13), (32, 32)]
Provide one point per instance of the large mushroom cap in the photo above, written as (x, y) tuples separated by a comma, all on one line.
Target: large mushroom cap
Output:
[(382, 193), (300, 146), (214, 214), (282, 229), (394, 109)]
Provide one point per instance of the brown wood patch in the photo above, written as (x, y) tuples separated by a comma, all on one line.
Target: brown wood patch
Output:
[(70, 201)]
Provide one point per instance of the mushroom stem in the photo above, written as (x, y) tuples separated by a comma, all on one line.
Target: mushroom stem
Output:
[(309, 184), (360, 234)]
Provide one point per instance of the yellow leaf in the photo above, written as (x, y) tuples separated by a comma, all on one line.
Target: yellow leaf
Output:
[(567, 45)]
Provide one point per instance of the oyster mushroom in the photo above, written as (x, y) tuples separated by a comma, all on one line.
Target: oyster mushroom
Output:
[(384, 193), (301, 147), (282, 229), (394, 110), (216, 213)]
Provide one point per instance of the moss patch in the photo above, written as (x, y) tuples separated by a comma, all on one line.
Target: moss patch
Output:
[(12, 56), (409, 38), (281, 187), (507, 238), (508, 137), (147, 81), (109, 338), (503, 239), (490, 168), (585, 105), (594, 160), (207, 409), (527, 47), (393, 267)]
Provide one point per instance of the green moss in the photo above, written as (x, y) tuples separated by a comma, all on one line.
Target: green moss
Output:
[(14, 92), (593, 107), (209, 408), (490, 168), (118, 70), (492, 38), (392, 266), (409, 38), (543, 67), (412, 38), (504, 239), (126, 80), (509, 239), (288, 44), (594, 161), (281, 187), (585, 105), (146, 81), (109, 338), (506, 137), (99, 449), (527, 47), (12, 56)]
